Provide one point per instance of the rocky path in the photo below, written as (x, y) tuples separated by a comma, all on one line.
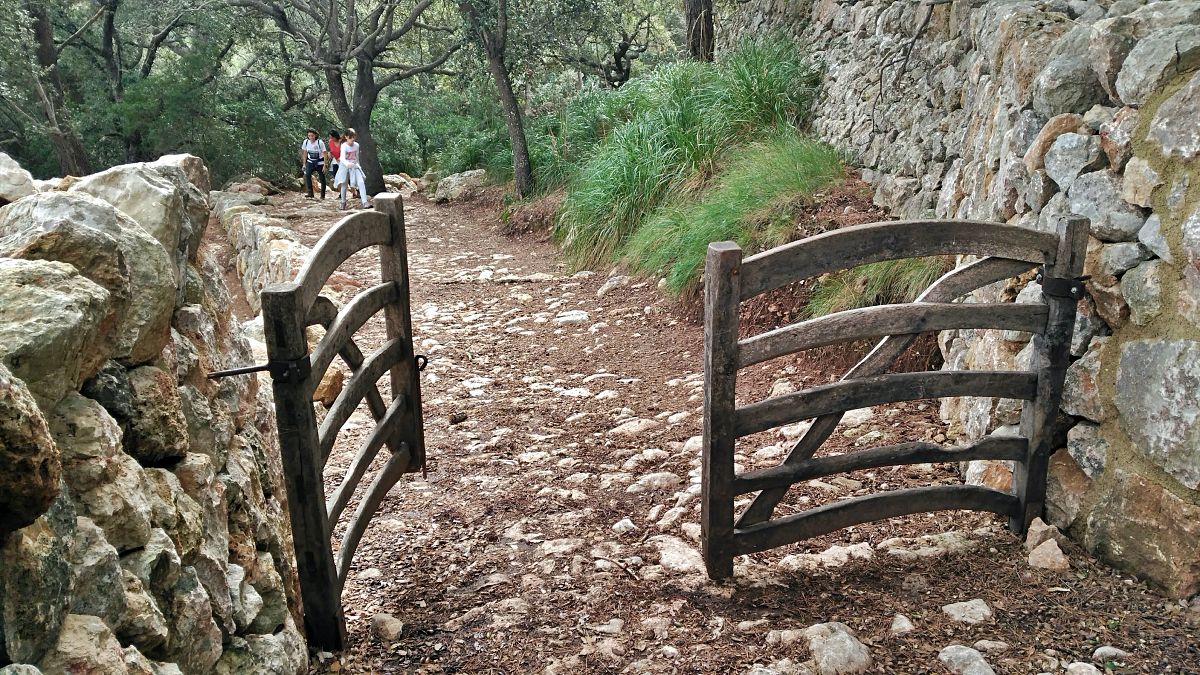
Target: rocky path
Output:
[(557, 527)]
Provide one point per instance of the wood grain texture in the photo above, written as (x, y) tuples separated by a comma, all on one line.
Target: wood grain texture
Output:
[(881, 320), (339, 332), (950, 286), (349, 236), (877, 390), (355, 390), (384, 429), (721, 279), (990, 447), (833, 517), (874, 242)]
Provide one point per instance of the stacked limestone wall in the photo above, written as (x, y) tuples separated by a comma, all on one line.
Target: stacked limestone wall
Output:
[(1021, 111), (143, 517)]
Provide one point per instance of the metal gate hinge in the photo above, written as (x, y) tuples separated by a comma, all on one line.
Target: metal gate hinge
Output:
[(282, 371), (1060, 288)]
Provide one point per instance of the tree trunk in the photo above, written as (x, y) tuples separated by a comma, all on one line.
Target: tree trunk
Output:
[(522, 169), (368, 154), (699, 17), (72, 158)]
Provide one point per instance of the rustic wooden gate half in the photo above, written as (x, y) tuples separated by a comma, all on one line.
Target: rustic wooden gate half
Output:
[(288, 309), (729, 280)]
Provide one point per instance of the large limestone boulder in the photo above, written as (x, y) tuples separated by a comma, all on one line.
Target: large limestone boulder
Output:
[(460, 185), (1156, 59), (153, 201), (15, 182), (192, 166), (195, 207), (1145, 528), (1175, 128), (107, 247), (1157, 381), (29, 461), (35, 583), (51, 326), (85, 645), (108, 485), (1097, 196)]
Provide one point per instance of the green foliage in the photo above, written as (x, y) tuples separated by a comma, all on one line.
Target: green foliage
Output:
[(890, 281), (677, 125), (751, 202)]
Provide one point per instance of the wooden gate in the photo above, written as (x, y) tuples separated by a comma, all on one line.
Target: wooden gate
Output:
[(729, 280), (288, 310)]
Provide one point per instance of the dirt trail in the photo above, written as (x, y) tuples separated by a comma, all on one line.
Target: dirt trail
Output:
[(555, 529)]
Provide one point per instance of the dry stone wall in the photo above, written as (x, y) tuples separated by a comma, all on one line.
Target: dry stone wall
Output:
[(143, 516), (1021, 111)]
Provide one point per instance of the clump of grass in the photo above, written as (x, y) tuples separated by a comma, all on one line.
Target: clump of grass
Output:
[(890, 281), (680, 121), (750, 202)]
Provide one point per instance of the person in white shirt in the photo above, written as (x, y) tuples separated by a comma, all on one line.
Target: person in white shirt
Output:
[(312, 154), (350, 173)]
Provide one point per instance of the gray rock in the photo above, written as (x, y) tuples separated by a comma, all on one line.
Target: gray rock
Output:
[(611, 284), (1071, 155), (1116, 259), (1097, 196), (1081, 387), (1098, 115), (1081, 668), (1151, 236), (51, 323), (1088, 325), (835, 649), (193, 167), (35, 583), (156, 564), (387, 627), (1143, 291), (15, 182), (143, 623), (901, 624), (20, 669), (1116, 137), (1155, 59), (1088, 447), (1156, 399), (85, 645), (98, 574), (963, 660), (31, 467), (247, 603), (971, 611), (210, 559), (458, 186), (157, 430), (284, 652), (194, 642), (1110, 653), (1110, 43), (1175, 128), (1039, 188), (110, 249), (269, 585), (202, 426), (1067, 84), (1057, 207), (108, 485), (176, 512)]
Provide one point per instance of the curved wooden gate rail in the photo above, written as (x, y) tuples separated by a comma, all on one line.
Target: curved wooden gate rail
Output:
[(288, 309), (729, 280)]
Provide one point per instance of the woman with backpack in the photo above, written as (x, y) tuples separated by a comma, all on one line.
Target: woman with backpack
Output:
[(350, 173), (312, 154)]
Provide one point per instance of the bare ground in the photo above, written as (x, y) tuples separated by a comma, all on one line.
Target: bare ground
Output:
[(504, 558)]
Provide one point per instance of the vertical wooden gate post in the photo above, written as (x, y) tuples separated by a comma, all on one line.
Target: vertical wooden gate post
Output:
[(284, 324), (721, 298)]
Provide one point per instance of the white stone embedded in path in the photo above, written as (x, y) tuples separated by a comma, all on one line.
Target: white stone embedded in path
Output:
[(901, 624), (677, 555), (633, 427), (662, 480), (835, 649), (971, 611), (962, 660), (571, 316)]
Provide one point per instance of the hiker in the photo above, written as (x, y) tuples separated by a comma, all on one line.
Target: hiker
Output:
[(350, 171), (312, 154), (335, 154)]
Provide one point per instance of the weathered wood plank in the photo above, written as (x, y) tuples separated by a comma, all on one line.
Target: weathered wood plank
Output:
[(862, 244), (384, 429), (990, 447), (349, 236), (881, 320), (951, 286), (283, 322), (348, 321), (833, 517), (355, 390), (405, 377), (1051, 356), (721, 279), (870, 391), (384, 480)]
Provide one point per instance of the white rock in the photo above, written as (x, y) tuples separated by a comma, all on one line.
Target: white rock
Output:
[(571, 316), (1109, 653), (783, 637), (857, 418), (794, 431), (781, 387), (678, 417), (612, 283), (624, 525), (991, 646), (835, 649), (633, 427), (1081, 668), (15, 182), (962, 660), (606, 394), (693, 445), (901, 624), (662, 480), (1049, 556), (677, 555), (386, 627), (971, 611), (612, 627)]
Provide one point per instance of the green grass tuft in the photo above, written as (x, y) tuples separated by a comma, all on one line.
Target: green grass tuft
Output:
[(881, 283), (750, 202)]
